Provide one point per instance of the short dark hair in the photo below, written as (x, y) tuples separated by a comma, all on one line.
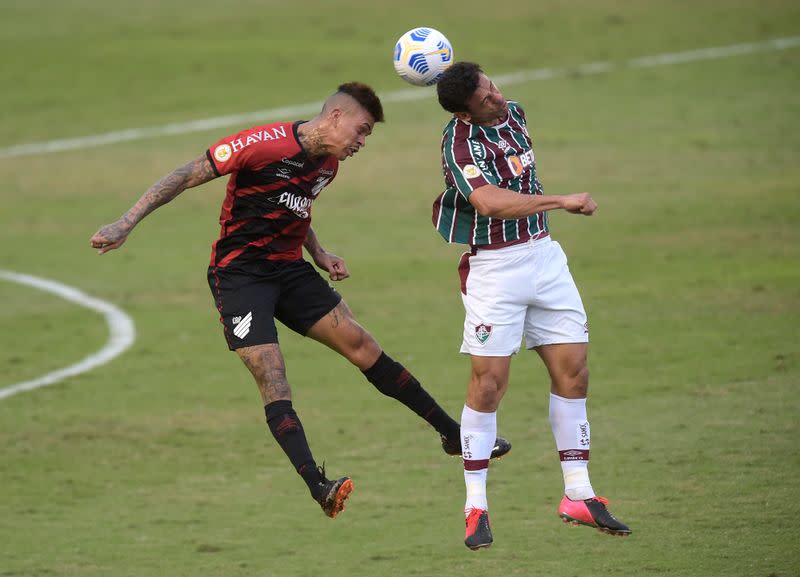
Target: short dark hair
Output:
[(365, 96), (457, 85)]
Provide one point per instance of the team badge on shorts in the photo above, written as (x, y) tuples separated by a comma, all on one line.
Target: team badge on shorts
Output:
[(242, 325), (483, 332)]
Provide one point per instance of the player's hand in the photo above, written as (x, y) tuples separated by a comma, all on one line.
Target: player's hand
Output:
[(334, 265), (581, 203), (109, 237)]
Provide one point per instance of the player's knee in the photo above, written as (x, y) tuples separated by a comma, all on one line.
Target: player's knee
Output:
[(577, 382), (363, 350), (486, 390)]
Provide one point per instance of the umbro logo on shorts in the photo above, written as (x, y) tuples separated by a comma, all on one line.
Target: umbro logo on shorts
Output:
[(242, 327)]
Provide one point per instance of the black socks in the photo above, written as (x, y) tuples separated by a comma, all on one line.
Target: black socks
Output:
[(285, 426), (393, 380)]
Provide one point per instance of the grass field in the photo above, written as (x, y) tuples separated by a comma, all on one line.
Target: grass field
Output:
[(159, 463)]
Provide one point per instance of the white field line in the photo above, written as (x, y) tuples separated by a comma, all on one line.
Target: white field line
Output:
[(119, 324), (260, 116)]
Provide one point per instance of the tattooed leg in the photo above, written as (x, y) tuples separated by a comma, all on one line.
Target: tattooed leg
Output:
[(266, 364), (269, 370)]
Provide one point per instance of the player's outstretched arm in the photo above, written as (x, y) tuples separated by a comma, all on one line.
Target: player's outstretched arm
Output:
[(328, 262), (191, 174), (499, 202)]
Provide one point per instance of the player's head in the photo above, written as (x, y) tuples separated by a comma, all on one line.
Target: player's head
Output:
[(350, 113), (468, 93)]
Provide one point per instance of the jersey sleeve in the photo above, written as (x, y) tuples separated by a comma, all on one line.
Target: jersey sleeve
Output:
[(251, 148), (462, 166)]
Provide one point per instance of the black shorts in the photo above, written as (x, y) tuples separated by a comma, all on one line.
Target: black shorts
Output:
[(250, 299)]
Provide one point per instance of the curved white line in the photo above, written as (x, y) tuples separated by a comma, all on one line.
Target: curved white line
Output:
[(120, 326)]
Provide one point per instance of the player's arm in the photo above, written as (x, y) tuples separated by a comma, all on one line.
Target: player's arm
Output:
[(496, 202), (193, 173), (328, 262)]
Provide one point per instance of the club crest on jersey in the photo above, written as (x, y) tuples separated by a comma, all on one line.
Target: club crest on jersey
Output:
[(471, 171), (222, 152), (518, 164), (483, 332)]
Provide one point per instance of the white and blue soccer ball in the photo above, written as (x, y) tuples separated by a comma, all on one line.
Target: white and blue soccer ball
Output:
[(421, 56)]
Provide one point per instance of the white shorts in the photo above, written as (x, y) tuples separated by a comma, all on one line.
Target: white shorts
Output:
[(519, 290)]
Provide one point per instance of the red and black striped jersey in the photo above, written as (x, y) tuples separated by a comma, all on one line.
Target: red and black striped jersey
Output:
[(267, 209)]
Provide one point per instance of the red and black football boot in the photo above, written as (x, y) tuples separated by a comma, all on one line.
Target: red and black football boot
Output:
[(592, 513), (479, 531)]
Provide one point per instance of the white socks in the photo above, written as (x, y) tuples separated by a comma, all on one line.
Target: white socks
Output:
[(571, 432), (478, 433)]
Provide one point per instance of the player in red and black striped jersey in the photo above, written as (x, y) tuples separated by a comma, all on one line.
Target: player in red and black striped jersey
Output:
[(267, 209), (257, 272)]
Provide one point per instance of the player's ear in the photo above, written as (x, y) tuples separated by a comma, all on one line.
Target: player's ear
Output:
[(465, 116)]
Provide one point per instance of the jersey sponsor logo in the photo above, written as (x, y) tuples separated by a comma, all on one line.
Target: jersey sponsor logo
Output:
[(296, 163), (519, 163), (477, 150), (283, 173), (326, 172), (276, 133), (483, 332), (242, 327), (471, 171), (299, 205), (503, 144), (222, 152)]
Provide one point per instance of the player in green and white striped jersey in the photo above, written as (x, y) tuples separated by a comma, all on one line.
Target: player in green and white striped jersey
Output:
[(515, 283)]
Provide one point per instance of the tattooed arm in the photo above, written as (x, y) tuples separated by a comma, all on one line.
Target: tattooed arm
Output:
[(194, 173), (328, 262)]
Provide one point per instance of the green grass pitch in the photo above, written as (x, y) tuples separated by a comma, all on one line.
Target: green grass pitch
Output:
[(159, 463)]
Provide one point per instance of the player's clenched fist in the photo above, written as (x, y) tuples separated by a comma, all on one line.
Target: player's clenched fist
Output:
[(581, 203)]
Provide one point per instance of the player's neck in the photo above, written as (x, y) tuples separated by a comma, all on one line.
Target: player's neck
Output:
[(311, 138)]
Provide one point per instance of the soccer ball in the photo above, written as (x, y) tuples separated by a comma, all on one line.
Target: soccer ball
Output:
[(421, 56)]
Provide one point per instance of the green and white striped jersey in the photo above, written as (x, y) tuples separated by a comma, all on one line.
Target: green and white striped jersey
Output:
[(474, 156)]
